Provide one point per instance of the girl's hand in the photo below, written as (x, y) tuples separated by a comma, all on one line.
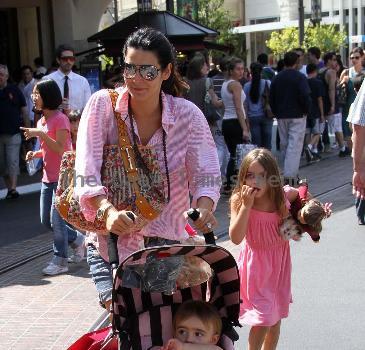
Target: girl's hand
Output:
[(327, 209), (29, 156), (248, 196), (118, 222), (31, 132)]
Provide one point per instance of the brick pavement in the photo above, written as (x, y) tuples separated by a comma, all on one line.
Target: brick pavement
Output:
[(39, 313)]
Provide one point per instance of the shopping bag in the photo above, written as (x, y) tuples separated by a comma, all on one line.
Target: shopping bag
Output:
[(241, 151), (102, 339)]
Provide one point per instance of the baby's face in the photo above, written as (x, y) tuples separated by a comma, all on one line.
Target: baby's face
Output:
[(193, 330)]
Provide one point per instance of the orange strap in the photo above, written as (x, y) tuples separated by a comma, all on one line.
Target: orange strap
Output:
[(129, 162)]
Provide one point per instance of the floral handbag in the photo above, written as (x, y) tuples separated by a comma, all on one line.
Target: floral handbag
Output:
[(130, 187)]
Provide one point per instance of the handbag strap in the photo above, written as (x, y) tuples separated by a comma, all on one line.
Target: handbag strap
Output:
[(129, 161)]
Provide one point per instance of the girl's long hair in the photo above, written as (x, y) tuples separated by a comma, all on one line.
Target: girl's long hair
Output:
[(256, 70), (275, 188)]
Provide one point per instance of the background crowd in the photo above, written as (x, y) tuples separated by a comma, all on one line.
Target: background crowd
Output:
[(308, 93)]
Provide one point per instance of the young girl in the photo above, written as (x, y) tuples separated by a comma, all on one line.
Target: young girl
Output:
[(53, 131), (258, 206)]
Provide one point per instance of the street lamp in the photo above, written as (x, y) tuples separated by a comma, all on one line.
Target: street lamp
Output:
[(316, 15)]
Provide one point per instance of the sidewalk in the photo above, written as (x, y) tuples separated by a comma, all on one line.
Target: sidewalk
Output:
[(39, 312)]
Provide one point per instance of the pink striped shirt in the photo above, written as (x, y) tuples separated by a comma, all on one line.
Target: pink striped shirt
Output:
[(191, 155)]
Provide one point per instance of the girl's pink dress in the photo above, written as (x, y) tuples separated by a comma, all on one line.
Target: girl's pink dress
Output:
[(265, 271)]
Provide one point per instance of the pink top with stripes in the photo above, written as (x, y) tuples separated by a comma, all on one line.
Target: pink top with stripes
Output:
[(191, 154)]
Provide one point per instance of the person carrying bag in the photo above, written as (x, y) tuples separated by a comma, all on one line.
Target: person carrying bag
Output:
[(147, 155), (142, 196)]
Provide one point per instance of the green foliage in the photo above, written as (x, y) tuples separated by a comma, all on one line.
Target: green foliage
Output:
[(283, 41), (212, 14), (326, 37)]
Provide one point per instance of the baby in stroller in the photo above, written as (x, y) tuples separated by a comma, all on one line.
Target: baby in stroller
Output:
[(147, 315), (197, 326)]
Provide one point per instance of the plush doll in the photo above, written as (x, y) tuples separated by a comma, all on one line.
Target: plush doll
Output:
[(306, 216)]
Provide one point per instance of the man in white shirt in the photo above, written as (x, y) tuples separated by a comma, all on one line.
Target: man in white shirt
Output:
[(75, 89)]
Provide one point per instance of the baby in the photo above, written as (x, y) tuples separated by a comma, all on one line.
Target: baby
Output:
[(197, 326)]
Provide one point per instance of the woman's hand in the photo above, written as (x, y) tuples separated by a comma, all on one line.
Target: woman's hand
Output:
[(118, 222), (248, 196), (246, 135), (206, 221), (344, 80), (31, 132)]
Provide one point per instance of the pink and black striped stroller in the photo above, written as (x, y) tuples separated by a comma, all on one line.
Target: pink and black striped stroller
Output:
[(143, 319)]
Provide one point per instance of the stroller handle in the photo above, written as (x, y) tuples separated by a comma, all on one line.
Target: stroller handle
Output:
[(113, 245), (209, 236), (113, 238)]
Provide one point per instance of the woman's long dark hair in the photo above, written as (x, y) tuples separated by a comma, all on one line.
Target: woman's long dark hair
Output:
[(256, 70), (152, 40)]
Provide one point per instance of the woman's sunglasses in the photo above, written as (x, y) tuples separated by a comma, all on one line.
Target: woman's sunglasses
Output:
[(355, 57), (147, 71)]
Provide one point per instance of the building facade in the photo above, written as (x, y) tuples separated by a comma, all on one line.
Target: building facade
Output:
[(32, 28), (264, 16)]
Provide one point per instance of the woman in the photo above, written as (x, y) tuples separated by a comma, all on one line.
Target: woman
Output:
[(53, 131), (235, 128), (260, 124), (171, 126), (199, 84), (346, 82)]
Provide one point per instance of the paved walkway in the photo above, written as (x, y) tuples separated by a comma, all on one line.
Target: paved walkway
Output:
[(39, 313)]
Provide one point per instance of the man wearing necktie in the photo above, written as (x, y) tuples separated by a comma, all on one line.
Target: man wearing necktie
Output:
[(74, 88)]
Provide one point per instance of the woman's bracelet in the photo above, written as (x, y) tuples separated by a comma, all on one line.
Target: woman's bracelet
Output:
[(101, 213)]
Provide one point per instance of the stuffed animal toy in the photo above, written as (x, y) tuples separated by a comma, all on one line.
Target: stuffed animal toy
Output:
[(290, 229), (306, 215)]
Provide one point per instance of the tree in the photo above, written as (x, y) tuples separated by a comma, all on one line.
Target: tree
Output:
[(326, 37), (212, 14), (283, 41)]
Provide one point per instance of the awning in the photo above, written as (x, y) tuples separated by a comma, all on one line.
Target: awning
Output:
[(171, 25), (271, 26)]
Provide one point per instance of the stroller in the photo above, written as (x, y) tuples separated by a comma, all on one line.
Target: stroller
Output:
[(143, 307)]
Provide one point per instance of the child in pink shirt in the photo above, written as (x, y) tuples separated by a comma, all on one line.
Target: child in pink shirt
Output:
[(53, 131)]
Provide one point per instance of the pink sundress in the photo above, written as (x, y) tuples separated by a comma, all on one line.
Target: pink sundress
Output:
[(265, 271)]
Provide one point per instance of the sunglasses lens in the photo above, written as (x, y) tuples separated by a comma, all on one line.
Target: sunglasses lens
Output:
[(129, 71), (149, 72), (69, 58)]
